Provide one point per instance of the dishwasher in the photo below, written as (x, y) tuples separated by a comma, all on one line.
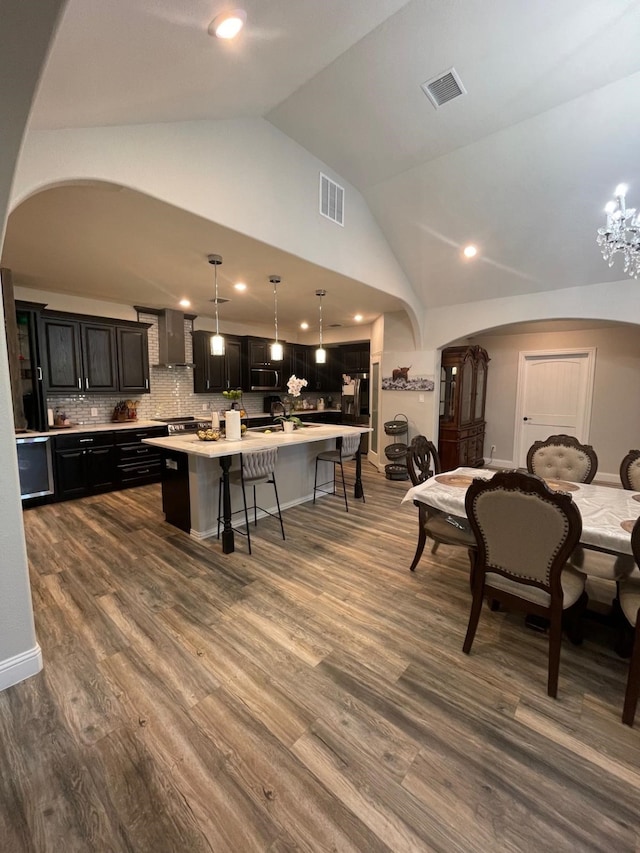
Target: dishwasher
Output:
[(35, 467)]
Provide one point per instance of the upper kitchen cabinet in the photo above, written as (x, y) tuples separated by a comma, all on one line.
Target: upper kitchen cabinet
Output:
[(355, 358), (133, 359), (94, 354), (215, 373)]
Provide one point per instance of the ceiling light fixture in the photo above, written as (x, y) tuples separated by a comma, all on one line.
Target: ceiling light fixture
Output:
[(240, 285), (470, 251), (358, 318), (304, 325), (321, 353), (227, 25), (277, 353), (621, 234), (216, 341), (184, 303)]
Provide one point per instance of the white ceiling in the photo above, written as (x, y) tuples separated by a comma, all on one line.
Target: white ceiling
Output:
[(522, 165)]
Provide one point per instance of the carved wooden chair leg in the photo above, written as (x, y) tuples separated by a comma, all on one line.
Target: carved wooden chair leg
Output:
[(633, 680), (422, 537), (572, 620), (555, 641), (474, 616)]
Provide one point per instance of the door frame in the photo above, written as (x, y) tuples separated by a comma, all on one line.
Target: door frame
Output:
[(585, 417)]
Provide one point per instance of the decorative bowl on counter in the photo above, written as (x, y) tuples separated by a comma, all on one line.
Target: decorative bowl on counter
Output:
[(208, 434)]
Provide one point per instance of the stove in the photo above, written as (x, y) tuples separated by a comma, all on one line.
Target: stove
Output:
[(187, 423)]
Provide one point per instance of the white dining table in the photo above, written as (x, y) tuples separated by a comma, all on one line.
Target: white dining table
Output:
[(605, 511)]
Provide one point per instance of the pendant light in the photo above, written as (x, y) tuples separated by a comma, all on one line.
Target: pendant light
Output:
[(321, 353), (217, 341), (277, 353)]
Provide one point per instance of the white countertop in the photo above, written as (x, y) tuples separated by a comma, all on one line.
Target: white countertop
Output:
[(250, 441), (145, 424)]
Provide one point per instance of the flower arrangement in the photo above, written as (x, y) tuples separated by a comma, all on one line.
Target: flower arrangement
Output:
[(294, 387)]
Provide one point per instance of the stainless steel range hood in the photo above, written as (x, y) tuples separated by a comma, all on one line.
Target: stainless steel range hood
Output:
[(171, 339)]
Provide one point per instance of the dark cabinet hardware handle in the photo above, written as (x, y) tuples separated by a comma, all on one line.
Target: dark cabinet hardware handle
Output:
[(86, 382), (40, 374), (146, 384), (84, 440), (144, 450), (525, 419), (143, 471), (79, 383)]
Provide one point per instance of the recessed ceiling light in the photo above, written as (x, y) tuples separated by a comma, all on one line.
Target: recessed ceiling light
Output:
[(470, 251), (240, 285), (227, 25), (358, 318), (304, 325), (184, 303)]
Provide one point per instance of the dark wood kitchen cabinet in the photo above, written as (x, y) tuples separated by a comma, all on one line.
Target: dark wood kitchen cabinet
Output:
[(355, 358), (463, 391), (84, 464), (79, 356), (85, 354), (133, 360), (136, 463), (216, 373)]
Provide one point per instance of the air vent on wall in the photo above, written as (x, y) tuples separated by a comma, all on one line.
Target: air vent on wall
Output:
[(444, 88), (331, 200)]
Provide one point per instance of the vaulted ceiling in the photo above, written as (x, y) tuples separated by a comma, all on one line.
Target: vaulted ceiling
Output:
[(521, 165)]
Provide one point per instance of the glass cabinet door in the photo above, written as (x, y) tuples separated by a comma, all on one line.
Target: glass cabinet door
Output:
[(467, 390), (481, 373), (448, 380)]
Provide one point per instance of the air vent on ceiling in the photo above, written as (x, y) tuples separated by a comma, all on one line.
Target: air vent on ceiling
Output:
[(444, 88), (335, 325), (221, 300), (331, 200)]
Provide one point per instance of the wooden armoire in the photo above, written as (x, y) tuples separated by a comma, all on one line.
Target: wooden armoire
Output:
[(463, 391)]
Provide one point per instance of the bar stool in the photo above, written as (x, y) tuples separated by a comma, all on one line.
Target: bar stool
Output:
[(255, 468), (348, 446)]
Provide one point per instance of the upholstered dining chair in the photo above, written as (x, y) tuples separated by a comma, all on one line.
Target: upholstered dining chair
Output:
[(629, 595), (423, 462), (525, 534), (630, 471), (348, 446), (562, 457), (255, 468)]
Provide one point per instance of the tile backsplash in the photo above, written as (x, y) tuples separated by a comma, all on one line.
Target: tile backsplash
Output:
[(171, 391)]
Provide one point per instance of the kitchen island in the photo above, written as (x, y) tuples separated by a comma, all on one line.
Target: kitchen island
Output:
[(192, 470)]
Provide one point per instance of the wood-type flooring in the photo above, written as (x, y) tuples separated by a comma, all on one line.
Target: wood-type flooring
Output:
[(312, 697)]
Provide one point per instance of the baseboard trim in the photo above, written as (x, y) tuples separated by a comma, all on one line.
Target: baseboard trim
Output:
[(19, 667)]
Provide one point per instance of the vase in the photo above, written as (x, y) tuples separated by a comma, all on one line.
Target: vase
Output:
[(288, 426)]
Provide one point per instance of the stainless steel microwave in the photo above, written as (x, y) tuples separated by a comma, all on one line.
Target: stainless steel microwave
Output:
[(264, 379)]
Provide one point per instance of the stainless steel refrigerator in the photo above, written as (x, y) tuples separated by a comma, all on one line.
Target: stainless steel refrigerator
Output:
[(355, 403)]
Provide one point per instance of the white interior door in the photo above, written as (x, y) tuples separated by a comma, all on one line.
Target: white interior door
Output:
[(554, 395)]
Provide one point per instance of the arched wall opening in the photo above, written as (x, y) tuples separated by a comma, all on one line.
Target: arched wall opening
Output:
[(615, 409)]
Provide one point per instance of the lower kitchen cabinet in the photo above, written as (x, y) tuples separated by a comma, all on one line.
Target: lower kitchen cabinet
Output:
[(137, 463), (84, 464), (91, 462)]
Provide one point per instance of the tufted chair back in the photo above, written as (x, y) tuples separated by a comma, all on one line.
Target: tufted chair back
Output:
[(630, 471), (259, 465), (562, 457)]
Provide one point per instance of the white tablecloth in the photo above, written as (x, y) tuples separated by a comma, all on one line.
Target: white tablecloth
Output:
[(602, 508)]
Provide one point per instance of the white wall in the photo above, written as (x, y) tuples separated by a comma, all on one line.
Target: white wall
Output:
[(244, 174), (24, 41), (615, 420)]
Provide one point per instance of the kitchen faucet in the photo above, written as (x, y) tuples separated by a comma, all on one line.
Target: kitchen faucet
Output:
[(278, 405)]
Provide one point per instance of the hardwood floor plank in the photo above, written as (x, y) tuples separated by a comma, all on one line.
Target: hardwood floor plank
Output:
[(310, 697)]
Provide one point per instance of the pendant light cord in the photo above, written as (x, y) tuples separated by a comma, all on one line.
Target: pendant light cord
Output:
[(215, 274), (275, 307)]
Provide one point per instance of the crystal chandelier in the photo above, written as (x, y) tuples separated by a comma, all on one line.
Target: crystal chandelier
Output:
[(621, 233)]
